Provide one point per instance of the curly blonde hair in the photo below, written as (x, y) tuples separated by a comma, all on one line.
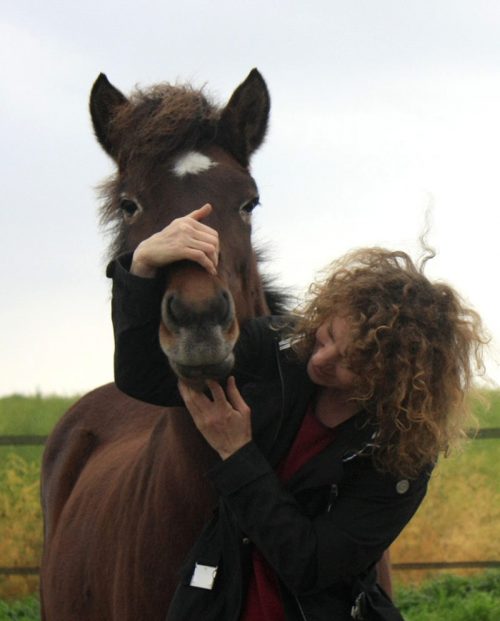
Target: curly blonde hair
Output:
[(414, 347)]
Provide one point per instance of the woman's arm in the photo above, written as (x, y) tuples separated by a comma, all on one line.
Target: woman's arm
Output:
[(312, 554), (309, 554), (141, 368)]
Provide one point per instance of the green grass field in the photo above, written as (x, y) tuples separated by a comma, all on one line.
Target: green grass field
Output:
[(21, 415), (20, 513), (459, 519), (449, 598), (452, 598), (31, 415)]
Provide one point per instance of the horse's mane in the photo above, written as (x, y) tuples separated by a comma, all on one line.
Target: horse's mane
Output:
[(278, 299), (158, 121)]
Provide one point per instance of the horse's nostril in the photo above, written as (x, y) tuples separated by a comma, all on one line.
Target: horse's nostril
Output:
[(178, 312), (174, 309), (225, 306)]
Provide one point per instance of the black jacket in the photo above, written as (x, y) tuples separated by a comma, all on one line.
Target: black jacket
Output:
[(324, 530)]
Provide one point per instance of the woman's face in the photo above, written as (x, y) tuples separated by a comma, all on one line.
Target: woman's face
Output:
[(327, 365)]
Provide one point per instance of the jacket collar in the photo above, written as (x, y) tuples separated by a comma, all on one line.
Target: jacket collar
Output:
[(354, 437)]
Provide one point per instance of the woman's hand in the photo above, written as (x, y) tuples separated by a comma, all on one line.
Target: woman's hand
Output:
[(223, 422), (183, 238)]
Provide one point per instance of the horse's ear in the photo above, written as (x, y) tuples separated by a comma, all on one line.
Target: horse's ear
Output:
[(243, 121), (105, 99)]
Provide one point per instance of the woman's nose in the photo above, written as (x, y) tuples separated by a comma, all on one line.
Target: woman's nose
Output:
[(325, 355)]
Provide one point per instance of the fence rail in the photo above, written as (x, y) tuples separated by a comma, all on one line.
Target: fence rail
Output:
[(22, 440), (487, 433), (34, 571), (19, 571), (448, 565)]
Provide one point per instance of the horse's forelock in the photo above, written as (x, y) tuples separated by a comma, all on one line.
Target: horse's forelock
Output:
[(156, 123), (150, 128)]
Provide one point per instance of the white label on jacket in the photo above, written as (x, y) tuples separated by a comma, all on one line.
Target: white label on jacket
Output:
[(288, 342), (203, 576)]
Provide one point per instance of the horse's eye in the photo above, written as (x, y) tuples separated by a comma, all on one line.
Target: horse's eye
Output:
[(128, 207), (247, 208)]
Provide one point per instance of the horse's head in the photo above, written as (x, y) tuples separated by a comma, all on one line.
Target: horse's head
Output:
[(175, 151)]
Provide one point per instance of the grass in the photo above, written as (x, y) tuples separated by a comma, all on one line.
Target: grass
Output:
[(488, 412), (448, 598), (20, 523), (20, 513), (23, 415), (27, 609), (452, 598), (458, 521)]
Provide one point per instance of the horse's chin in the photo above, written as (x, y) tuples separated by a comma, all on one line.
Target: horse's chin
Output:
[(197, 375)]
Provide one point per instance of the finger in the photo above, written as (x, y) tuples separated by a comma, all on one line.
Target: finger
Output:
[(184, 391), (197, 403), (204, 234), (200, 226), (208, 244), (205, 239), (218, 394), (201, 231), (201, 212), (200, 257), (198, 244), (235, 397)]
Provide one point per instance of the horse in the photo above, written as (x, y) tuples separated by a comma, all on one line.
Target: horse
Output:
[(123, 489)]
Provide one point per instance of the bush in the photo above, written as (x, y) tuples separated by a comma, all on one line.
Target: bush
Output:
[(25, 610), (20, 523), (452, 598)]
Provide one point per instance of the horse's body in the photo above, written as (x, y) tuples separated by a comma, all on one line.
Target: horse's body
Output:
[(124, 500), (123, 491)]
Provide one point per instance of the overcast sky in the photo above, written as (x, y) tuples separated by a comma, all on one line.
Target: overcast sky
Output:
[(379, 108)]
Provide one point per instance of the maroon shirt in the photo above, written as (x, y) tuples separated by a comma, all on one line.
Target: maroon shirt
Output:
[(263, 601)]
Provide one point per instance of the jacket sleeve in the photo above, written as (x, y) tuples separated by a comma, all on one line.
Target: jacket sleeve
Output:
[(311, 554), (141, 368)]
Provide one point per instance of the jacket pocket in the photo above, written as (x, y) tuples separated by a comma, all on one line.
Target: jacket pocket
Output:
[(373, 604), (318, 500)]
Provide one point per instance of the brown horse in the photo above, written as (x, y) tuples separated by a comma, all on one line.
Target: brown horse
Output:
[(123, 491)]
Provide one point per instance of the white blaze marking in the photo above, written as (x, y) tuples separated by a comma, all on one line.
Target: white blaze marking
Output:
[(192, 163)]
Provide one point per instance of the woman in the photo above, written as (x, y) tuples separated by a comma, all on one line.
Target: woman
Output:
[(327, 434)]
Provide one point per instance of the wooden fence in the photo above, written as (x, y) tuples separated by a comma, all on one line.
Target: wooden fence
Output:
[(489, 433)]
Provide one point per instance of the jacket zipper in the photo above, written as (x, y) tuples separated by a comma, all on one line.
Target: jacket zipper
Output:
[(334, 492), (301, 610), (282, 383), (332, 497), (282, 414)]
